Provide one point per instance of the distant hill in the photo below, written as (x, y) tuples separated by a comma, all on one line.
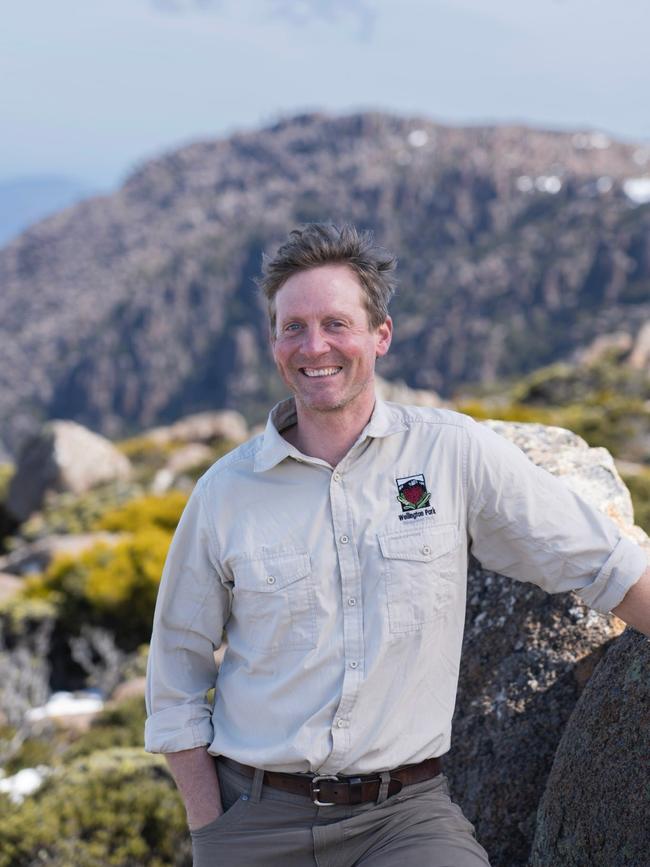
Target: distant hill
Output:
[(25, 200), (516, 247)]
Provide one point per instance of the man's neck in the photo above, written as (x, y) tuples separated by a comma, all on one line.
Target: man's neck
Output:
[(330, 435)]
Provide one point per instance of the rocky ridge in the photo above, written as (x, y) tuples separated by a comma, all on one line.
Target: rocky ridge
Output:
[(516, 247)]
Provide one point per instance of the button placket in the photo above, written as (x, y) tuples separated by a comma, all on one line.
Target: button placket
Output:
[(352, 618)]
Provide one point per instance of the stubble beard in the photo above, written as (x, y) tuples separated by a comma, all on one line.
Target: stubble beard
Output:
[(343, 402)]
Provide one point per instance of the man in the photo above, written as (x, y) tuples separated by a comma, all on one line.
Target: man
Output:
[(332, 553)]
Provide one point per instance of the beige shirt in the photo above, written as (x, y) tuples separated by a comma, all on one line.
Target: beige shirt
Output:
[(341, 591)]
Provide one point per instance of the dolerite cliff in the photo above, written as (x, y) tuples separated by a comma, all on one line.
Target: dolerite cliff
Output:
[(516, 247)]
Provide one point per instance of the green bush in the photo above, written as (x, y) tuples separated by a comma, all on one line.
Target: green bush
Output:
[(117, 808), (111, 586), (118, 725), (146, 455), (639, 488), (76, 513), (160, 511), (604, 420), (34, 751), (6, 472)]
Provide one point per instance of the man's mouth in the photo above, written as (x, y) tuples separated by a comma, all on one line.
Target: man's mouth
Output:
[(320, 371)]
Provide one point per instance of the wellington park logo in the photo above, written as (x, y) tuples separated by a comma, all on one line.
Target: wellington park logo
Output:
[(412, 493)]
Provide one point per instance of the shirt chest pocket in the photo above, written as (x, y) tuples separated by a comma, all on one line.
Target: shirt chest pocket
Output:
[(274, 605), (420, 568)]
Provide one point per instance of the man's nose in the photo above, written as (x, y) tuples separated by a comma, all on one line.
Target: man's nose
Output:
[(314, 342)]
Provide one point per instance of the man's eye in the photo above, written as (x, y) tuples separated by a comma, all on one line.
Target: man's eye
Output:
[(292, 326), (337, 324)]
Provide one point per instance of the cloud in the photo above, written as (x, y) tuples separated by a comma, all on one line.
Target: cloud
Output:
[(298, 13)]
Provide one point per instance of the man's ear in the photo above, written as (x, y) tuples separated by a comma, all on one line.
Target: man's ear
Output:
[(384, 336)]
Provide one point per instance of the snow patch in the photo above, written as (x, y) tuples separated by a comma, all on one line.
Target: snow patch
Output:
[(417, 138), (589, 140), (65, 704), (548, 184), (637, 190), (24, 783)]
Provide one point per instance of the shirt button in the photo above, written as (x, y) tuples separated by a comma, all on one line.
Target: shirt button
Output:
[(270, 579), (337, 477), (345, 539), (341, 723), (354, 663), (352, 601), (426, 550)]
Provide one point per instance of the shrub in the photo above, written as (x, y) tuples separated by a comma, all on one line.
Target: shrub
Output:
[(109, 586), (118, 725), (639, 488), (6, 472), (162, 512), (113, 587), (117, 808), (76, 513), (146, 455)]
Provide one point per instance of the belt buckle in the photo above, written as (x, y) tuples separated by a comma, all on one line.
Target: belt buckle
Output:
[(316, 789)]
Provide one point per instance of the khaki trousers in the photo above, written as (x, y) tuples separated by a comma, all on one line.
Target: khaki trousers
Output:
[(264, 827)]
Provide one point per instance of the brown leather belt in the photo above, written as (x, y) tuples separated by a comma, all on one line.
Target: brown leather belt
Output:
[(326, 790)]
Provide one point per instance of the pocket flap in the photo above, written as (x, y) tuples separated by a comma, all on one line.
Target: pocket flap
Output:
[(423, 545), (272, 573)]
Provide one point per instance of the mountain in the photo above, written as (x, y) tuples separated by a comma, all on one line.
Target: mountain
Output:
[(27, 199), (517, 247)]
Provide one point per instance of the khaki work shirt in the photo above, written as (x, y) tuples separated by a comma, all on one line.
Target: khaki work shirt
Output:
[(341, 590)]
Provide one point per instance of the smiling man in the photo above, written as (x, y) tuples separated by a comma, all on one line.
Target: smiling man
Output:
[(337, 576), (325, 346)]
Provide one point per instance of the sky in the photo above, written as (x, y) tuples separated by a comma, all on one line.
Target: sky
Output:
[(91, 88)]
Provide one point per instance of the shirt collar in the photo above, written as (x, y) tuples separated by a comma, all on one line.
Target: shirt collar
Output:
[(384, 421)]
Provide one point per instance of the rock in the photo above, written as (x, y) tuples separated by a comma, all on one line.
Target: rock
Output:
[(24, 783), (68, 710), (618, 343), (183, 459), (129, 689), (400, 392), (590, 472), (9, 586), (594, 812), (526, 658), (36, 556), (639, 358), (63, 456), (203, 427)]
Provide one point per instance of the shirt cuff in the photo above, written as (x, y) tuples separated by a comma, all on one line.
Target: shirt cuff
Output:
[(621, 570), (177, 728)]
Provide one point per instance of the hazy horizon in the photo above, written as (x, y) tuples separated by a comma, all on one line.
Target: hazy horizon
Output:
[(89, 93)]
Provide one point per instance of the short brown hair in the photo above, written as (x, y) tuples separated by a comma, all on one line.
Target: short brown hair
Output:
[(314, 244)]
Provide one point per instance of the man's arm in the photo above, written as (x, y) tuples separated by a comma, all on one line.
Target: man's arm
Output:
[(196, 777), (191, 610), (635, 607)]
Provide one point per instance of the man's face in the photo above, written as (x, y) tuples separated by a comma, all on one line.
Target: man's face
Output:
[(323, 345)]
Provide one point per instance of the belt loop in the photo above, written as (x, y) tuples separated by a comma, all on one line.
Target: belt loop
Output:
[(256, 786), (383, 789)]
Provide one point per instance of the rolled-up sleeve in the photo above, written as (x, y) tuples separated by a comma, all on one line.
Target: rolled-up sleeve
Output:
[(527, 524), (191, 610)]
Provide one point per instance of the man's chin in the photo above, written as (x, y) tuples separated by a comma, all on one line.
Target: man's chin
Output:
[(324, 403)]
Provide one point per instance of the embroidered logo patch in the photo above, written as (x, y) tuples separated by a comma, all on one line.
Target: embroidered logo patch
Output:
[(412, 493)]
